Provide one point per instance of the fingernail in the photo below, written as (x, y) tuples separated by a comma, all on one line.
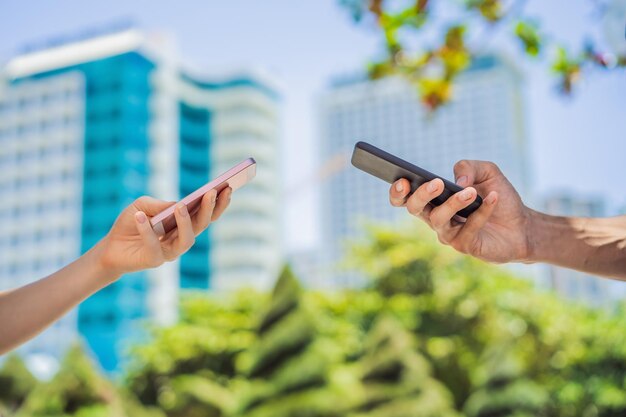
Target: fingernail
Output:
[(140, 216), (461, 180), (213, 196), (466, 194), (432, 186), (182, 209), (491, 198), (399, 186)]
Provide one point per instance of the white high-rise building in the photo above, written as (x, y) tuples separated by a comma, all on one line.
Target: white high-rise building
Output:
[(89, 125), (484, 121), (614, 26), (41, 159)]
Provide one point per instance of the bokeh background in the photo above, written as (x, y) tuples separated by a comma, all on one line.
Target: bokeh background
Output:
[(103, 102)]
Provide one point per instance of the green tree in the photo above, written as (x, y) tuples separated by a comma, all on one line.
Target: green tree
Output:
[(407, 26), (189, 369), (499, 345), (396, 379), (288, 365), (16, 382), (436, 333), (76, 390)]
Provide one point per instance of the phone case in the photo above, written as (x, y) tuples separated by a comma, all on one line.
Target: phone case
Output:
[(390, 168)]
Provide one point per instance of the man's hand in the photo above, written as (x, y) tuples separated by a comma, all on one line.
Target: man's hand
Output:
[(132, 245), (496, 232)]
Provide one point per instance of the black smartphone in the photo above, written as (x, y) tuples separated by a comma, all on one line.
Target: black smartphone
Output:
[(390, 168)]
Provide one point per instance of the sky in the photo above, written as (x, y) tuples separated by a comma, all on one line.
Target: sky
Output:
[(577, 143)]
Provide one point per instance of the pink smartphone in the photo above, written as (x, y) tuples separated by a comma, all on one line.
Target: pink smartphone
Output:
[(235, 178)]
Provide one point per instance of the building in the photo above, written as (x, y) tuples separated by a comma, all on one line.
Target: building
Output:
[(89, 125), (485, 121), (578, 286), (308, 268), (613, 26)]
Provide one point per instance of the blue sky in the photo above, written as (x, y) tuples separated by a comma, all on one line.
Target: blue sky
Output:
[(577, 143)]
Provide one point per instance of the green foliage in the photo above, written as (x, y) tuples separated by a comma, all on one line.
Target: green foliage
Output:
[(491, 10), (396, 379), (568, 68), (432, 65), (529, 36), (499, 346), (77, 389), (434, 334), (205, 344), (16, 382), (289, 362)]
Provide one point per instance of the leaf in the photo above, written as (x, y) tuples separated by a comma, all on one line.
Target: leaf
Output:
[(528, 34), (491, 10), (568, 69)]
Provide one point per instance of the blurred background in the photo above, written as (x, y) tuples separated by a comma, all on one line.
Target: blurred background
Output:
[(101, 103)]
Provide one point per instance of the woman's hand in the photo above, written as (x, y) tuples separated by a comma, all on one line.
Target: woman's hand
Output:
[(132, 245), (497, 232)]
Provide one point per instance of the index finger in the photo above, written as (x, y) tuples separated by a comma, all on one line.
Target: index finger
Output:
[(223, 199), (398, 192), (202, 218)]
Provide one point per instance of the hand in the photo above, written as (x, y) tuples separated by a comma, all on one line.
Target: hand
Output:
[(132, 245), (496, 232)]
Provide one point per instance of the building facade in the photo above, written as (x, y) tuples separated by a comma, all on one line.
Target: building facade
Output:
[(87, 127), (484, 121)]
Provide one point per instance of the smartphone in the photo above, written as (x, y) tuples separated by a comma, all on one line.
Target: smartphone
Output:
[(390, 168), (235, 178)]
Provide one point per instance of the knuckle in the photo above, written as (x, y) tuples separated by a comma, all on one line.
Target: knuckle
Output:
[(142, 199), (457, 202), (422, 193), (472, 245), (414, 208), (492, 166), (393, 201), (188, 242), (459, 245), (463, 163), (204, 223), (201, 226), (437, 222)]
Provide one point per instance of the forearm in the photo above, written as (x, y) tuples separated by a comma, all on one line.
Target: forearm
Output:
[(26, 311), (594, 245)]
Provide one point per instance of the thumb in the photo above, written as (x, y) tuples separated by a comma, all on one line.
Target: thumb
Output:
[(467, 172), (150, 240), (151, 206)]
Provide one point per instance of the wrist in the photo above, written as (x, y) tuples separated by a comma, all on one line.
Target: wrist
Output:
[(544, 233), (532, 241), (103, 270)]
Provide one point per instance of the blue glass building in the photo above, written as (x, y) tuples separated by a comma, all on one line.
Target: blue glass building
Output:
[(194, 172), (139, 125)]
